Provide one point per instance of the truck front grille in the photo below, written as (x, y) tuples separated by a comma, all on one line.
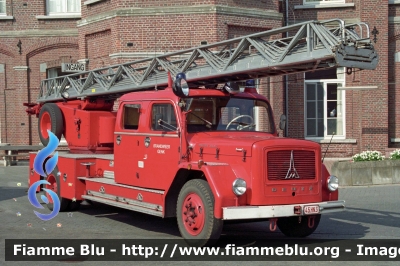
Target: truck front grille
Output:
[(290, 165)]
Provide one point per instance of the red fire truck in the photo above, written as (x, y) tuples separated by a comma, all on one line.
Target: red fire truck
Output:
[(198, 147)]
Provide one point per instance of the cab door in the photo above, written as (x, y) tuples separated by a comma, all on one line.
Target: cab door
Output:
[(162, 146), (127, 143)]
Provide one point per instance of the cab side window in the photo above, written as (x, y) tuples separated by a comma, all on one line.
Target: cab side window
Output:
[(131, 116), (163, 117)]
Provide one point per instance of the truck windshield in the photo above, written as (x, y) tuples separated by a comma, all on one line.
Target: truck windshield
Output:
[(228, 114)]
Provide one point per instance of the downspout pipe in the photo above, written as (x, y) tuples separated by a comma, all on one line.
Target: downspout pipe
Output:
[(286, 76)]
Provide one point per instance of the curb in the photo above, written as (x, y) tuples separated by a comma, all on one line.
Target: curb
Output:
[(386, 172)]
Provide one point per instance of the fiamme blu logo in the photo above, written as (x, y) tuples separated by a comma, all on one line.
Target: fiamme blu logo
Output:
[(49, 166)]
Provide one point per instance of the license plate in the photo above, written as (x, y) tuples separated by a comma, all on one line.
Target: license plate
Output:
[(311, 209)]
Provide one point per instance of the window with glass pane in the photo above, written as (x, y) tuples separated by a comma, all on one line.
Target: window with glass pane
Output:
[(163, 117), (2, 7), (334, 111), (324, 104), (324, 109), (131, 116), (63, 6), (315, 110)]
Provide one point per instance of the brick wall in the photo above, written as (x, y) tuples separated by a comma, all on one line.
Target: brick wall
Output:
[(42, 41), (394, 78)]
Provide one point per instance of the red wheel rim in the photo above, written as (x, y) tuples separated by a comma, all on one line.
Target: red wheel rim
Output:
[(45, 124), (193, 216), (52, 186)]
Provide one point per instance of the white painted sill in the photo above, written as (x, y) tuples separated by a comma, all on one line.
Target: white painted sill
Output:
[(89, 2), (334, 141), (58, 17), (6, 17), (324, 6), (394, 2)]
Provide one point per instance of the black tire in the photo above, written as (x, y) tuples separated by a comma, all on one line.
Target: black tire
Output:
[(54, 178), (197, 199), (50, 117), (291, 227)]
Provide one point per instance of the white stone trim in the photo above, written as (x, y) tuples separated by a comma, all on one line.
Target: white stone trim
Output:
[(6, 17), (358, 88), (346, 21), (21, 68), (38, 33), (83, 61), (134, 55), (58, 17), (89, 2), (141, 55), (334, 141), (186, 10), (338, 5), (394, 20)]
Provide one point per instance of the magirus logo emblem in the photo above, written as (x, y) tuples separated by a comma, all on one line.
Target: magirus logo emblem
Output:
[(292, 172)]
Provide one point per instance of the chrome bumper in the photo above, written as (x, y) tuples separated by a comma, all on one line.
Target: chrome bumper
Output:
[(262, 212)]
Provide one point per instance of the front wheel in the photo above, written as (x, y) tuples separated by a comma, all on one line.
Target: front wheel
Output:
[(195, 214), (293, 227)]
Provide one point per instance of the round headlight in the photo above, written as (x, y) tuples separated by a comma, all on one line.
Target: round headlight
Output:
[(333, 183), (239, 186)]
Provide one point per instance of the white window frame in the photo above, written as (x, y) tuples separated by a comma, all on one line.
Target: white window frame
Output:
[(64, 11), (340, 80), (323, 2), (3, 2)]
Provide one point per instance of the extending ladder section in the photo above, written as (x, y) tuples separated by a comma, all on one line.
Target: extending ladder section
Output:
[(313, 45)]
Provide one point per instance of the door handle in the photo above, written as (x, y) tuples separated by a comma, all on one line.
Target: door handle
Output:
[(118, 139)]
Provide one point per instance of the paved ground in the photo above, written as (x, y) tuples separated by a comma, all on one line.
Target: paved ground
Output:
[(372, 212)]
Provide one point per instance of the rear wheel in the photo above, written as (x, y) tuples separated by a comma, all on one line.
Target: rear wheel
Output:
[(291, 227), (50, 118), (195, 214), (55, 186)]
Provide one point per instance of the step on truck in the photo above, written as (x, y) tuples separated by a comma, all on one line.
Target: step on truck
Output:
[(188, 141)]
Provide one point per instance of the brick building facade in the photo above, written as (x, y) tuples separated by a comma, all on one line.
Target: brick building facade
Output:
[(37, 36)]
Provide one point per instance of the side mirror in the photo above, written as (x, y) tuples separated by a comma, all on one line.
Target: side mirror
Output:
[(282, 122), (181, 88)]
